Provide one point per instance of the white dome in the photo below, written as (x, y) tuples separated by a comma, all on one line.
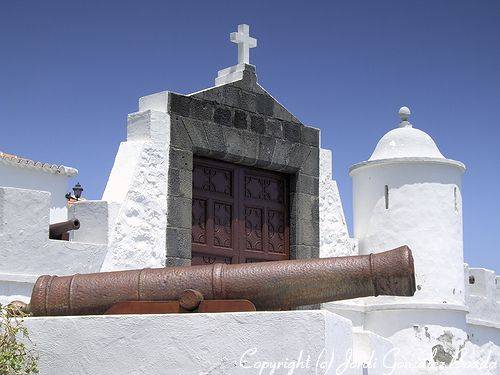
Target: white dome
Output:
[(406, 142)]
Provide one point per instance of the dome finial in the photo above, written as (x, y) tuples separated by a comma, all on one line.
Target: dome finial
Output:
[(404, 114)]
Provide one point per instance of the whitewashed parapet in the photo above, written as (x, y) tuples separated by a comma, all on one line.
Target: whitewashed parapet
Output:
[(21, 173), (482, 296), (25, 247), (26, 251), (230, 343), (334, 235), (95, 217)]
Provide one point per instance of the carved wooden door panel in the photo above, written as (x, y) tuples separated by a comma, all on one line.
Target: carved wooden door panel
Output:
[(239, 214)]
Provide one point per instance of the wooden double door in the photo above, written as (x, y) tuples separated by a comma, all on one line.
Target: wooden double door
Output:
[(239, 214)]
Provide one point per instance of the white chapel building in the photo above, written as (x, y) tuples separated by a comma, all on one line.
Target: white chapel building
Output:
[(406, 193)]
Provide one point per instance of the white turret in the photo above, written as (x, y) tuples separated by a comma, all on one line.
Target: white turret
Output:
[(408, 193)]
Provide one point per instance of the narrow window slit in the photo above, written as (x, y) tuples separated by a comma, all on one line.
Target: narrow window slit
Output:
[(456, 199), (386, 197)]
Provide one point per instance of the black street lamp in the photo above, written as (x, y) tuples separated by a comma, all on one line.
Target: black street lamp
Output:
[(77, 190)]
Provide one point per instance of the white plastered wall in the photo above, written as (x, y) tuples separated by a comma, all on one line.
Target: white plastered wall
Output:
[(125, 230), (482, 295), (27, 252), (136, 192), (334, 235), (36, 179), (424, 211), (224, 343)]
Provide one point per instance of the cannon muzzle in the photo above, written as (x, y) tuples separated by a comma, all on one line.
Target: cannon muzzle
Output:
[(58, 231), (268, 285)]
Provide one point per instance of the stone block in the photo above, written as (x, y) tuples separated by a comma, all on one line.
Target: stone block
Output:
[(234, 144), (179, 242), (304, 207), (177, 207), (304, 252), (281, 151), (310, 136), (181, 159), (230, 96), (249, 79), (241, 75), (274, 128), (196, 133), (177, 262), (248, 101), (222, 116), (180, 104), (179, 136), (296, 120), (180, 182), (257, 124), (311, 163), (265, 105), (296, 157), (281, 112), (212, 95), (215, 139), (291, 132), (250, 148), (240, 119), (201, 110), (306, 231), (266, 151), (302, 183)]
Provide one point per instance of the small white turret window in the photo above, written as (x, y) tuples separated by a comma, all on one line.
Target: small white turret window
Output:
[(386, 197)]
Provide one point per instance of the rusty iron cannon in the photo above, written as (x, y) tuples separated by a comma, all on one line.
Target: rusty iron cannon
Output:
[(266, 286), (59, 231)]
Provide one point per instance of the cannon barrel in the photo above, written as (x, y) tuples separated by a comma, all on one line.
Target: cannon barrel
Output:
[(57, 230), (269, 285)]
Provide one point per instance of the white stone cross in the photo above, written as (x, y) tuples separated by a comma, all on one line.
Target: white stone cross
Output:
[(245, 42)]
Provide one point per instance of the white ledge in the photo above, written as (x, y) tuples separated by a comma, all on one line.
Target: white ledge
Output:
[(398, 306), (481, 322), (18, 278), (412, 160)]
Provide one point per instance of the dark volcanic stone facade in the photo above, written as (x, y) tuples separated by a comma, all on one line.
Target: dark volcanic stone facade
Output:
[(241, 123)]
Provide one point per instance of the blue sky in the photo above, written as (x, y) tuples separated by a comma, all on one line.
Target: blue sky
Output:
[(71, 71)]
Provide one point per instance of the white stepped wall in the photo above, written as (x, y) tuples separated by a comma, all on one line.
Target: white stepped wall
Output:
[(138, 188), (334, 235)]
